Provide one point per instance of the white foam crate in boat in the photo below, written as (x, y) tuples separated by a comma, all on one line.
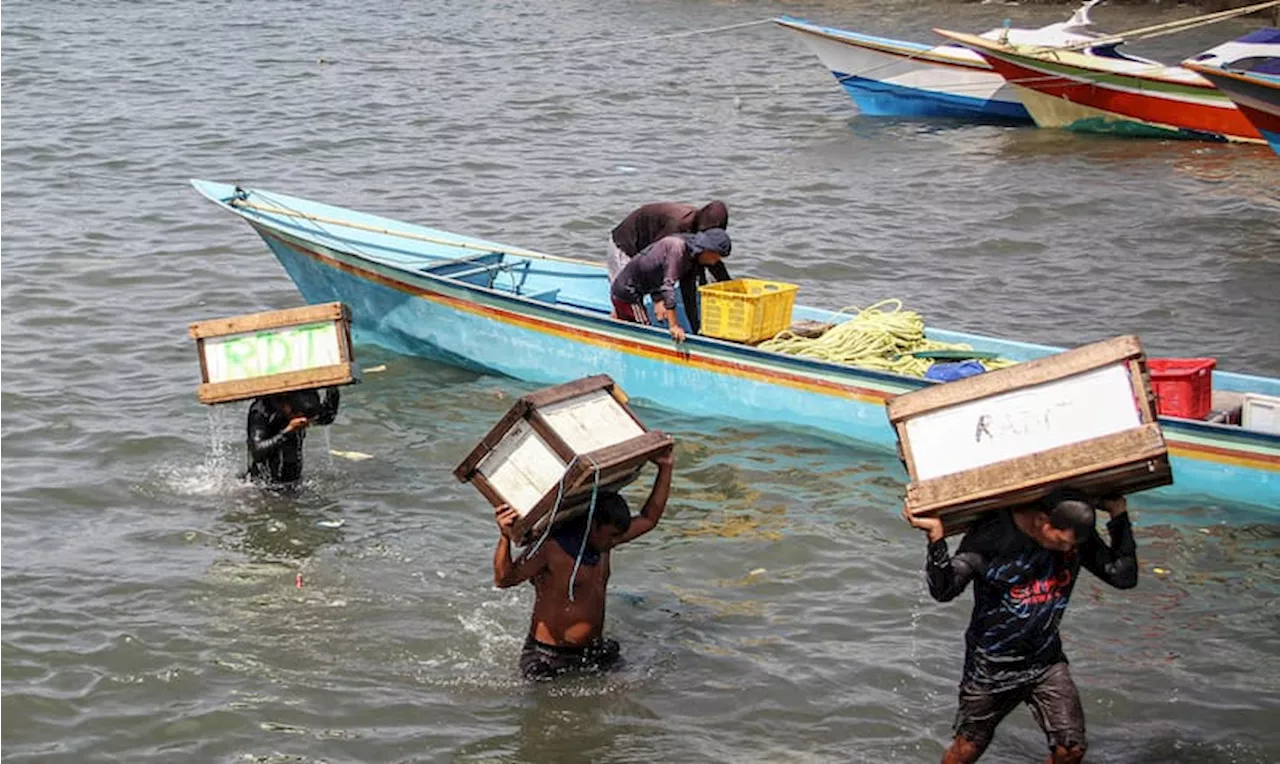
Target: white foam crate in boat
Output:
[(1260, 412)]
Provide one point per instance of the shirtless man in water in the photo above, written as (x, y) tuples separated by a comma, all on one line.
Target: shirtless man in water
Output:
[(566, 632)]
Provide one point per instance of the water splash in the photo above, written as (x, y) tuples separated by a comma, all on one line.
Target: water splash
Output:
[(218, 474)]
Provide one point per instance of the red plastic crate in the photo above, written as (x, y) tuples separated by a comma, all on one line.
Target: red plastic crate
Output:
[(1183, 386)]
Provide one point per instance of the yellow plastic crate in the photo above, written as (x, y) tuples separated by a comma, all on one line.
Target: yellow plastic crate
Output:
[(746, 310)]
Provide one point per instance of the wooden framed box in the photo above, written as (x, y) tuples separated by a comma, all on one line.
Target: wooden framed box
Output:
[(1084, 418), (274, 352), (550, 445)]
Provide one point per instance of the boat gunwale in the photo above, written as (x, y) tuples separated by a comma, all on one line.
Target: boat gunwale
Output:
[(1269, 82), (914, 51), (995, 49)]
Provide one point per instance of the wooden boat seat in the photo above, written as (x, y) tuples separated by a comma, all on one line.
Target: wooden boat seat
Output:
[(468, 263), (487, 265), (548, 296)]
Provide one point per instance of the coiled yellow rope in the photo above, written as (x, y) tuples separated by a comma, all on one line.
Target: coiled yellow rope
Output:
[(874, 338)]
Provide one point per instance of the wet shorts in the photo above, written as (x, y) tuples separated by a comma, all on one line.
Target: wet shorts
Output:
[(539, 661), (1054, 702)]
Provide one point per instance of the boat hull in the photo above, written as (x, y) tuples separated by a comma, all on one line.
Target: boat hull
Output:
[(396, 302), (1059, 92), (1257, 97), (895, 78)]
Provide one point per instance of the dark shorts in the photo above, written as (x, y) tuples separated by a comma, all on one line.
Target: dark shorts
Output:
[(1054, 702), (540, 662)]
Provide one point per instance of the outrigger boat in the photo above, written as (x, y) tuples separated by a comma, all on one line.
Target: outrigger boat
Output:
[(1104, 90), (897, 78), (1251, 82), (545, 319)]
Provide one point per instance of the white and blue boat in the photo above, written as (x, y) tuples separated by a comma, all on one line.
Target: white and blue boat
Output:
[(545, 320), (896, 78)]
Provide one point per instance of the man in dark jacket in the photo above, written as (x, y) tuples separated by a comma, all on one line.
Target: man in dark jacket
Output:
[(1023, 564), (652, 222), (276, 428), (675, 259)]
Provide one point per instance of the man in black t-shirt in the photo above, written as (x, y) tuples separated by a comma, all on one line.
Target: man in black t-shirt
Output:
[(1023, 564)]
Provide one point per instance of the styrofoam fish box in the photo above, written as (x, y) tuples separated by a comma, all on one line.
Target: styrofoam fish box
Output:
[(545, 453), (1083, 418), (278, 351), (1260, 412)]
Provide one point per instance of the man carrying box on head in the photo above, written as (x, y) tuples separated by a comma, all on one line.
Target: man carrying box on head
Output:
[(1023, 563), (656, 271), (570, 574), (276, 428)]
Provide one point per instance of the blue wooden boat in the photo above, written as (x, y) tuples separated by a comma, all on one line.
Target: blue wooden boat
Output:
[(545, 319), (887, 77)]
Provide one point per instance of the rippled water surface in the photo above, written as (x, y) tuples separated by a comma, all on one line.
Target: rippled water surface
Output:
[(151, 603)]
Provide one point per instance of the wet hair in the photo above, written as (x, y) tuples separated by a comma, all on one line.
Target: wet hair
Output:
[(1069, 508), (612, 509), (304, 402), (714, 215)]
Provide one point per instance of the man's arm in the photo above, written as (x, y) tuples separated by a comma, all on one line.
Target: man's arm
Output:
[(671, 274), (261, 442), (689, 294), (508, 572), (657, 502), (947, 575), (1116, 564), (719, 272), (329, 406)]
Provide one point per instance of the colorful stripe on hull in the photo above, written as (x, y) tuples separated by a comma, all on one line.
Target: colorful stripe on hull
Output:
[(1256, 95), (1178, 107)]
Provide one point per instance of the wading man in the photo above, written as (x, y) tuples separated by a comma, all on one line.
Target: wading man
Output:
[(566, 632), (276, 428), (1023, 564)]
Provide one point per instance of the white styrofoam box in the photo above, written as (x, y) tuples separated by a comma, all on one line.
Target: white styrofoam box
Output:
[(591, 421), (1261, 412), (522, 467), (1023, 421)]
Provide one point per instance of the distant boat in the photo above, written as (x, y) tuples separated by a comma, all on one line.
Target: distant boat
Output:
[(1251, 82), (1106, 91), (896, 78), (545, 320)]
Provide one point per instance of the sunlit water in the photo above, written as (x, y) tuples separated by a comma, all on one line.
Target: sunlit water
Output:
[(158, 608)]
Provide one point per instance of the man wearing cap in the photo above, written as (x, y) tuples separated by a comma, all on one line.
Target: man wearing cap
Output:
[(656, 271), (652, 222)]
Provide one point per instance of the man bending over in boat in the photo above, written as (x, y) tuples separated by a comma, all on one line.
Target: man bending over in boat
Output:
[(1023, 564), (652, 222), (276, 428), (657, 270), (566, 631)]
